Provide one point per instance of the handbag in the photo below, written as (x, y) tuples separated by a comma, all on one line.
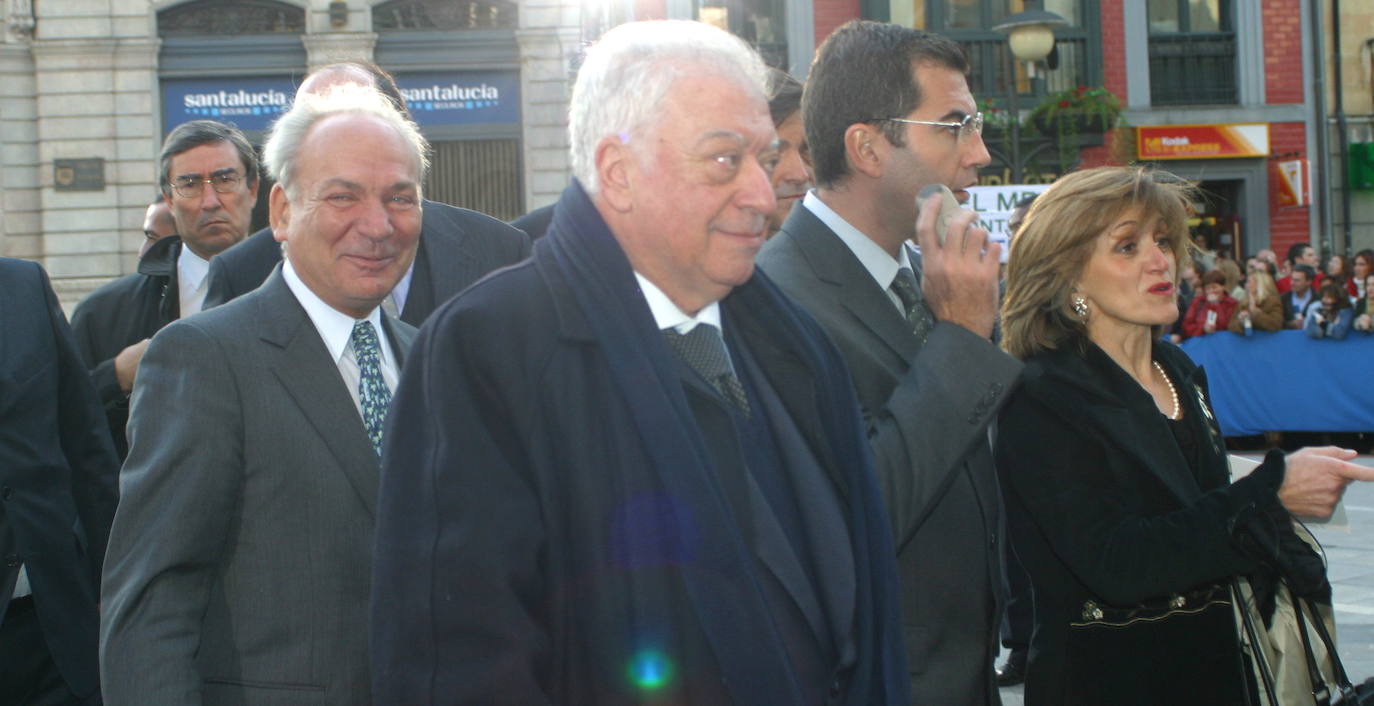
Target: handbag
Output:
[(1295, 658)]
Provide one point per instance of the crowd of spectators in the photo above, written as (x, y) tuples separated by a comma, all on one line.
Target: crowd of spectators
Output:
[(1215, 295)]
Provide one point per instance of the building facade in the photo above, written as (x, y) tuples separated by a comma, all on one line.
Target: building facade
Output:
[(88, 90), (1219, 91)]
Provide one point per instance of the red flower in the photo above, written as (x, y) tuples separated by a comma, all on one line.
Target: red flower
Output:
[(1082, 90), (1063, 104)]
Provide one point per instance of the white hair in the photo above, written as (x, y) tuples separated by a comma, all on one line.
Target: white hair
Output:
[(631, 70), (289, 131)]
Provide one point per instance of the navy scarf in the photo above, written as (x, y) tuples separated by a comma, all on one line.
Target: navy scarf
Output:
[(589, 261)]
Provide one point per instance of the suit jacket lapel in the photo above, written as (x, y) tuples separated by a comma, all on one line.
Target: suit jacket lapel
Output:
[(441, 261), (305, 369), (836, 265)]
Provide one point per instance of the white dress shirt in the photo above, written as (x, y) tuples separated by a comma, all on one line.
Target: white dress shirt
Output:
[(882, 266), (336, 329), (191, 280), (667, 315)]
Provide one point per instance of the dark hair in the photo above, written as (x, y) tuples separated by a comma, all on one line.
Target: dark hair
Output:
[(1271, 268), (1214, 277), (187, 136), (865, 71), (1306, 270), (1337, 291), (1024, 203), (381, 80), (1295, 251), (1367, 254), (784, 95)]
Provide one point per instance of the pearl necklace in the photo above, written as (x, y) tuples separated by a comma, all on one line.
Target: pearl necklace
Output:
[(1173, 393)]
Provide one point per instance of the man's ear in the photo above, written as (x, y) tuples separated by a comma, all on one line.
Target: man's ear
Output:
[(615, 172), (866, 148), (279, 213), (253, 189)]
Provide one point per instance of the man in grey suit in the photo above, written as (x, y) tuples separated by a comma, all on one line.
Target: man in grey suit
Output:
[(240, 559), (888, 112), (457, 246)]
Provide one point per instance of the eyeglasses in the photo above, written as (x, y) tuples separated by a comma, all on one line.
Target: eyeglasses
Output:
[(191, 187), (970, 125)]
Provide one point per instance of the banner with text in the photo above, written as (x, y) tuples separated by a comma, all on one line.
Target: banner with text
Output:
[(462, 98), (1156, 142), (246, 103), (994, 205)]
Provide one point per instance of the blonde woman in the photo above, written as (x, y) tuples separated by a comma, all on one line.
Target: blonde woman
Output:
[(1262, 307), (1113, 469)]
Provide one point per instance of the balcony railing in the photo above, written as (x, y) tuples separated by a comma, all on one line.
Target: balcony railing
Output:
[(1193, 69), (988, 55)]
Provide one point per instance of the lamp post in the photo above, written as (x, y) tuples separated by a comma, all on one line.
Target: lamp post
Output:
[(1030, 35)]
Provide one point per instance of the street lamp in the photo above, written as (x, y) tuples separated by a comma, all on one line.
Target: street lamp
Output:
[(1031, 38)]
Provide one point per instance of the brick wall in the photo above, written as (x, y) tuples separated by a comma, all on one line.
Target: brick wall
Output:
[(1287, 224), (1283, 59), (1113, 31), (830, 14)]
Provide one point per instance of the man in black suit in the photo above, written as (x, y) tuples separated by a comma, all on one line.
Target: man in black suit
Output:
[(888, 112), (1300, 297), (457, 246), (57, 497), (209, 180), (629, 470)]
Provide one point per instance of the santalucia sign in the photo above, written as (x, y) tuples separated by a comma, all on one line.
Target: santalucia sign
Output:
[(236, 99)]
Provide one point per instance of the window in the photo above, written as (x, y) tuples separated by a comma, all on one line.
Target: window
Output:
[(1192, 52), (443, 15), (227, 17), (1077, 49), (761, 23)]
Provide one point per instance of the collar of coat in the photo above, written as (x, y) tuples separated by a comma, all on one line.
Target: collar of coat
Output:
[(1089, 389), (161, 258)]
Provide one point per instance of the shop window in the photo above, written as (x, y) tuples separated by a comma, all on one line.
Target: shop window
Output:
[(483, 175), (762, 23), (1192, 52), (229, 17), (444, 15)]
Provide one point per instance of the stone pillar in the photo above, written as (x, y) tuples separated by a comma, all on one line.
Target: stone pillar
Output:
[(546, 56), (20, 231), (322, 49)]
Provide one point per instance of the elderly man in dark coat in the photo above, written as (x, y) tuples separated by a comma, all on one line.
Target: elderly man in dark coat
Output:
[(630, 470)]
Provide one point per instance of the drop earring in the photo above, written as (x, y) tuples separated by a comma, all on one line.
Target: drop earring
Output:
[(1080, 307)]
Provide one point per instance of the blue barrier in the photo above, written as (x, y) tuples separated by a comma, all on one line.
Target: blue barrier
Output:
[(1285, 381)]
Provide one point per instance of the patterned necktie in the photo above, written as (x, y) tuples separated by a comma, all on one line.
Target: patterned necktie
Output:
[(704, 350), (914, 305), (373, 395)]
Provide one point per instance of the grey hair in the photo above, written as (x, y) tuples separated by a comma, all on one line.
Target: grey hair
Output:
[(629, 72), (279, 154)]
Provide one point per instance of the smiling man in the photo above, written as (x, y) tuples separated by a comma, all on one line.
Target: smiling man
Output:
[(239, 562), (629, 470), (209, 181), (888, 112)]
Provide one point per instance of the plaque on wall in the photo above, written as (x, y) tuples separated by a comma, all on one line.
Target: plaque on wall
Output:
[(85, 174)]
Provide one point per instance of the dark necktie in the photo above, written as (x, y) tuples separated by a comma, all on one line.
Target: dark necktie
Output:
[(914, 306), (704, 350), (373, 395)]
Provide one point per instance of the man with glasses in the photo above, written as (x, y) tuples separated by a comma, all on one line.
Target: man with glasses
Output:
[(888, 112), (208, 175)]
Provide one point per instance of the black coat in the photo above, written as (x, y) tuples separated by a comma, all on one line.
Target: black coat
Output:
[(1104, 506), (57, 472), (457, 247), (120, 314), (551, 526)]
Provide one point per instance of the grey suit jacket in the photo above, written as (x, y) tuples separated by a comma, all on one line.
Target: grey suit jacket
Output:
[(927, 408), (239, 568)]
